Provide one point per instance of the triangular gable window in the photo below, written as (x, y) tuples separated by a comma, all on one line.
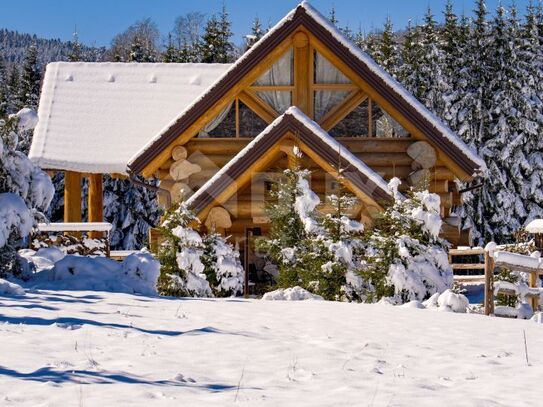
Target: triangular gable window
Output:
[(326, 73), (275, 86), (235, 120), (368, 120), (331, 86)]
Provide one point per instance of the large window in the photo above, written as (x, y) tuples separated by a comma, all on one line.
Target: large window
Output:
[(330, 87), (368, 119), (236, 120), (275, 86)]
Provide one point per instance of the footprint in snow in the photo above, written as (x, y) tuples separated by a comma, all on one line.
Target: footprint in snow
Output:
[(181, 378), (67, 326), (379, 367), (298, 374)]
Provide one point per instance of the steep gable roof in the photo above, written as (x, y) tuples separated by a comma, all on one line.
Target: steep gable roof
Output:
[(310, 136), (93, 117), (344, 49)]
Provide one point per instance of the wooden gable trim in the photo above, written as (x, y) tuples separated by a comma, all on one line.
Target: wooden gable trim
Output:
[(379, 91), (268, 49), (264, 152)]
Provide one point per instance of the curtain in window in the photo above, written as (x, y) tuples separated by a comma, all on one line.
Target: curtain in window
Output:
[(386, 126), (327, 73), (213, 124), (280, 74)]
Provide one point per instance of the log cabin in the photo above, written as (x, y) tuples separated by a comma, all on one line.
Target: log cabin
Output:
[(218, 135)]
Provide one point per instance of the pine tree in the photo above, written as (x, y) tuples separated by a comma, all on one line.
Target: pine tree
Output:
[(386, 53), (131, 210), (411, 55), (216, 46), (256, 33), (4, 90), (171, 54), (432, 83), (13, 87), (76, 52), (25, 191), (30, 79)]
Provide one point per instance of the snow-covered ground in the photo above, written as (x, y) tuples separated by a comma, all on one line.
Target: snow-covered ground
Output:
[(81, 348)]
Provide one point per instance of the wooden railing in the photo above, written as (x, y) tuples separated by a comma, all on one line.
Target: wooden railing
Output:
[(455, 254)]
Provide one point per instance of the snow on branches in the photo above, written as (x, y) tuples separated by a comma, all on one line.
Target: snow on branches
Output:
[(25, 190), (195, 265)]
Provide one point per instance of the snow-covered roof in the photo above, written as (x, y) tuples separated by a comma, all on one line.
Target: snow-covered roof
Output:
[(357, 59), (315, 138), (94, 116), (535, 226)]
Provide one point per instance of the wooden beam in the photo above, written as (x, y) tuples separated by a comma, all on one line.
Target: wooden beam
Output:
[(95, 202), (385, 105), (338, 113), (301, 69), (257, 105), (243, 180), (228, 98), (72, 196)]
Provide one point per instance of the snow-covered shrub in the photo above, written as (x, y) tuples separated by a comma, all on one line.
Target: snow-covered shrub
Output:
[(316, 252), (196, 266), (405, 255), (25, 190)]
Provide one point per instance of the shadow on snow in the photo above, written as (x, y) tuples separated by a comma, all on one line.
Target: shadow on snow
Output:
[(47, 374)]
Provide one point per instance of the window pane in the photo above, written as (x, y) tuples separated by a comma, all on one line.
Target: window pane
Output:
[(384, 125), (279, 100), (326, 100), (250, 124), (281, 73), (326, 72), (224, 125), (355, 124)]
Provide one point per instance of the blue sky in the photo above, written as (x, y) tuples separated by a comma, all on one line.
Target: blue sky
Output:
[(99, 20)]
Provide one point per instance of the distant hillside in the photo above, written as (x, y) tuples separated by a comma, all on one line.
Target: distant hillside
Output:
[(13, 45)]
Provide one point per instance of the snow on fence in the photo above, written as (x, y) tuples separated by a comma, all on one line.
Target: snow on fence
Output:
[(79, 227), (531, 265), (456, 257)]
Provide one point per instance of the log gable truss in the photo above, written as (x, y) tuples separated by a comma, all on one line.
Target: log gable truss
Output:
[(303, 33)]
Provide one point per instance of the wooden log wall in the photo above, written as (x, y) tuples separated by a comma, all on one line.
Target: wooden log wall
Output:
[(387, 157)]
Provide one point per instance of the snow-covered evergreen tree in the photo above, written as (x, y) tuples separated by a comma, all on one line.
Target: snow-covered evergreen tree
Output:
[(216, 44), (386, 53), (256, 33), (25, 190), (4, 91), (76, 52), (196, 265), (29, 90), (405, 257), (171, 53), (132, 210)]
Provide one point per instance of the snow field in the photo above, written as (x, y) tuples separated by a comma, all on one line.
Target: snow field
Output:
[(96, 348)]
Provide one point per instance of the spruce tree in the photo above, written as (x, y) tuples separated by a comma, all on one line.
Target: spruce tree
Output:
[(216, 44), (4, 90), (256, 33), (76, 52), (171, 54), (29, 91), (386, 53), (411, 55)]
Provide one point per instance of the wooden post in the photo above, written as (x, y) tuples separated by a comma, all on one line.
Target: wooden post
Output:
[(301, 72), (489, 283), (72, 196), (96, 206), (533, 284)]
